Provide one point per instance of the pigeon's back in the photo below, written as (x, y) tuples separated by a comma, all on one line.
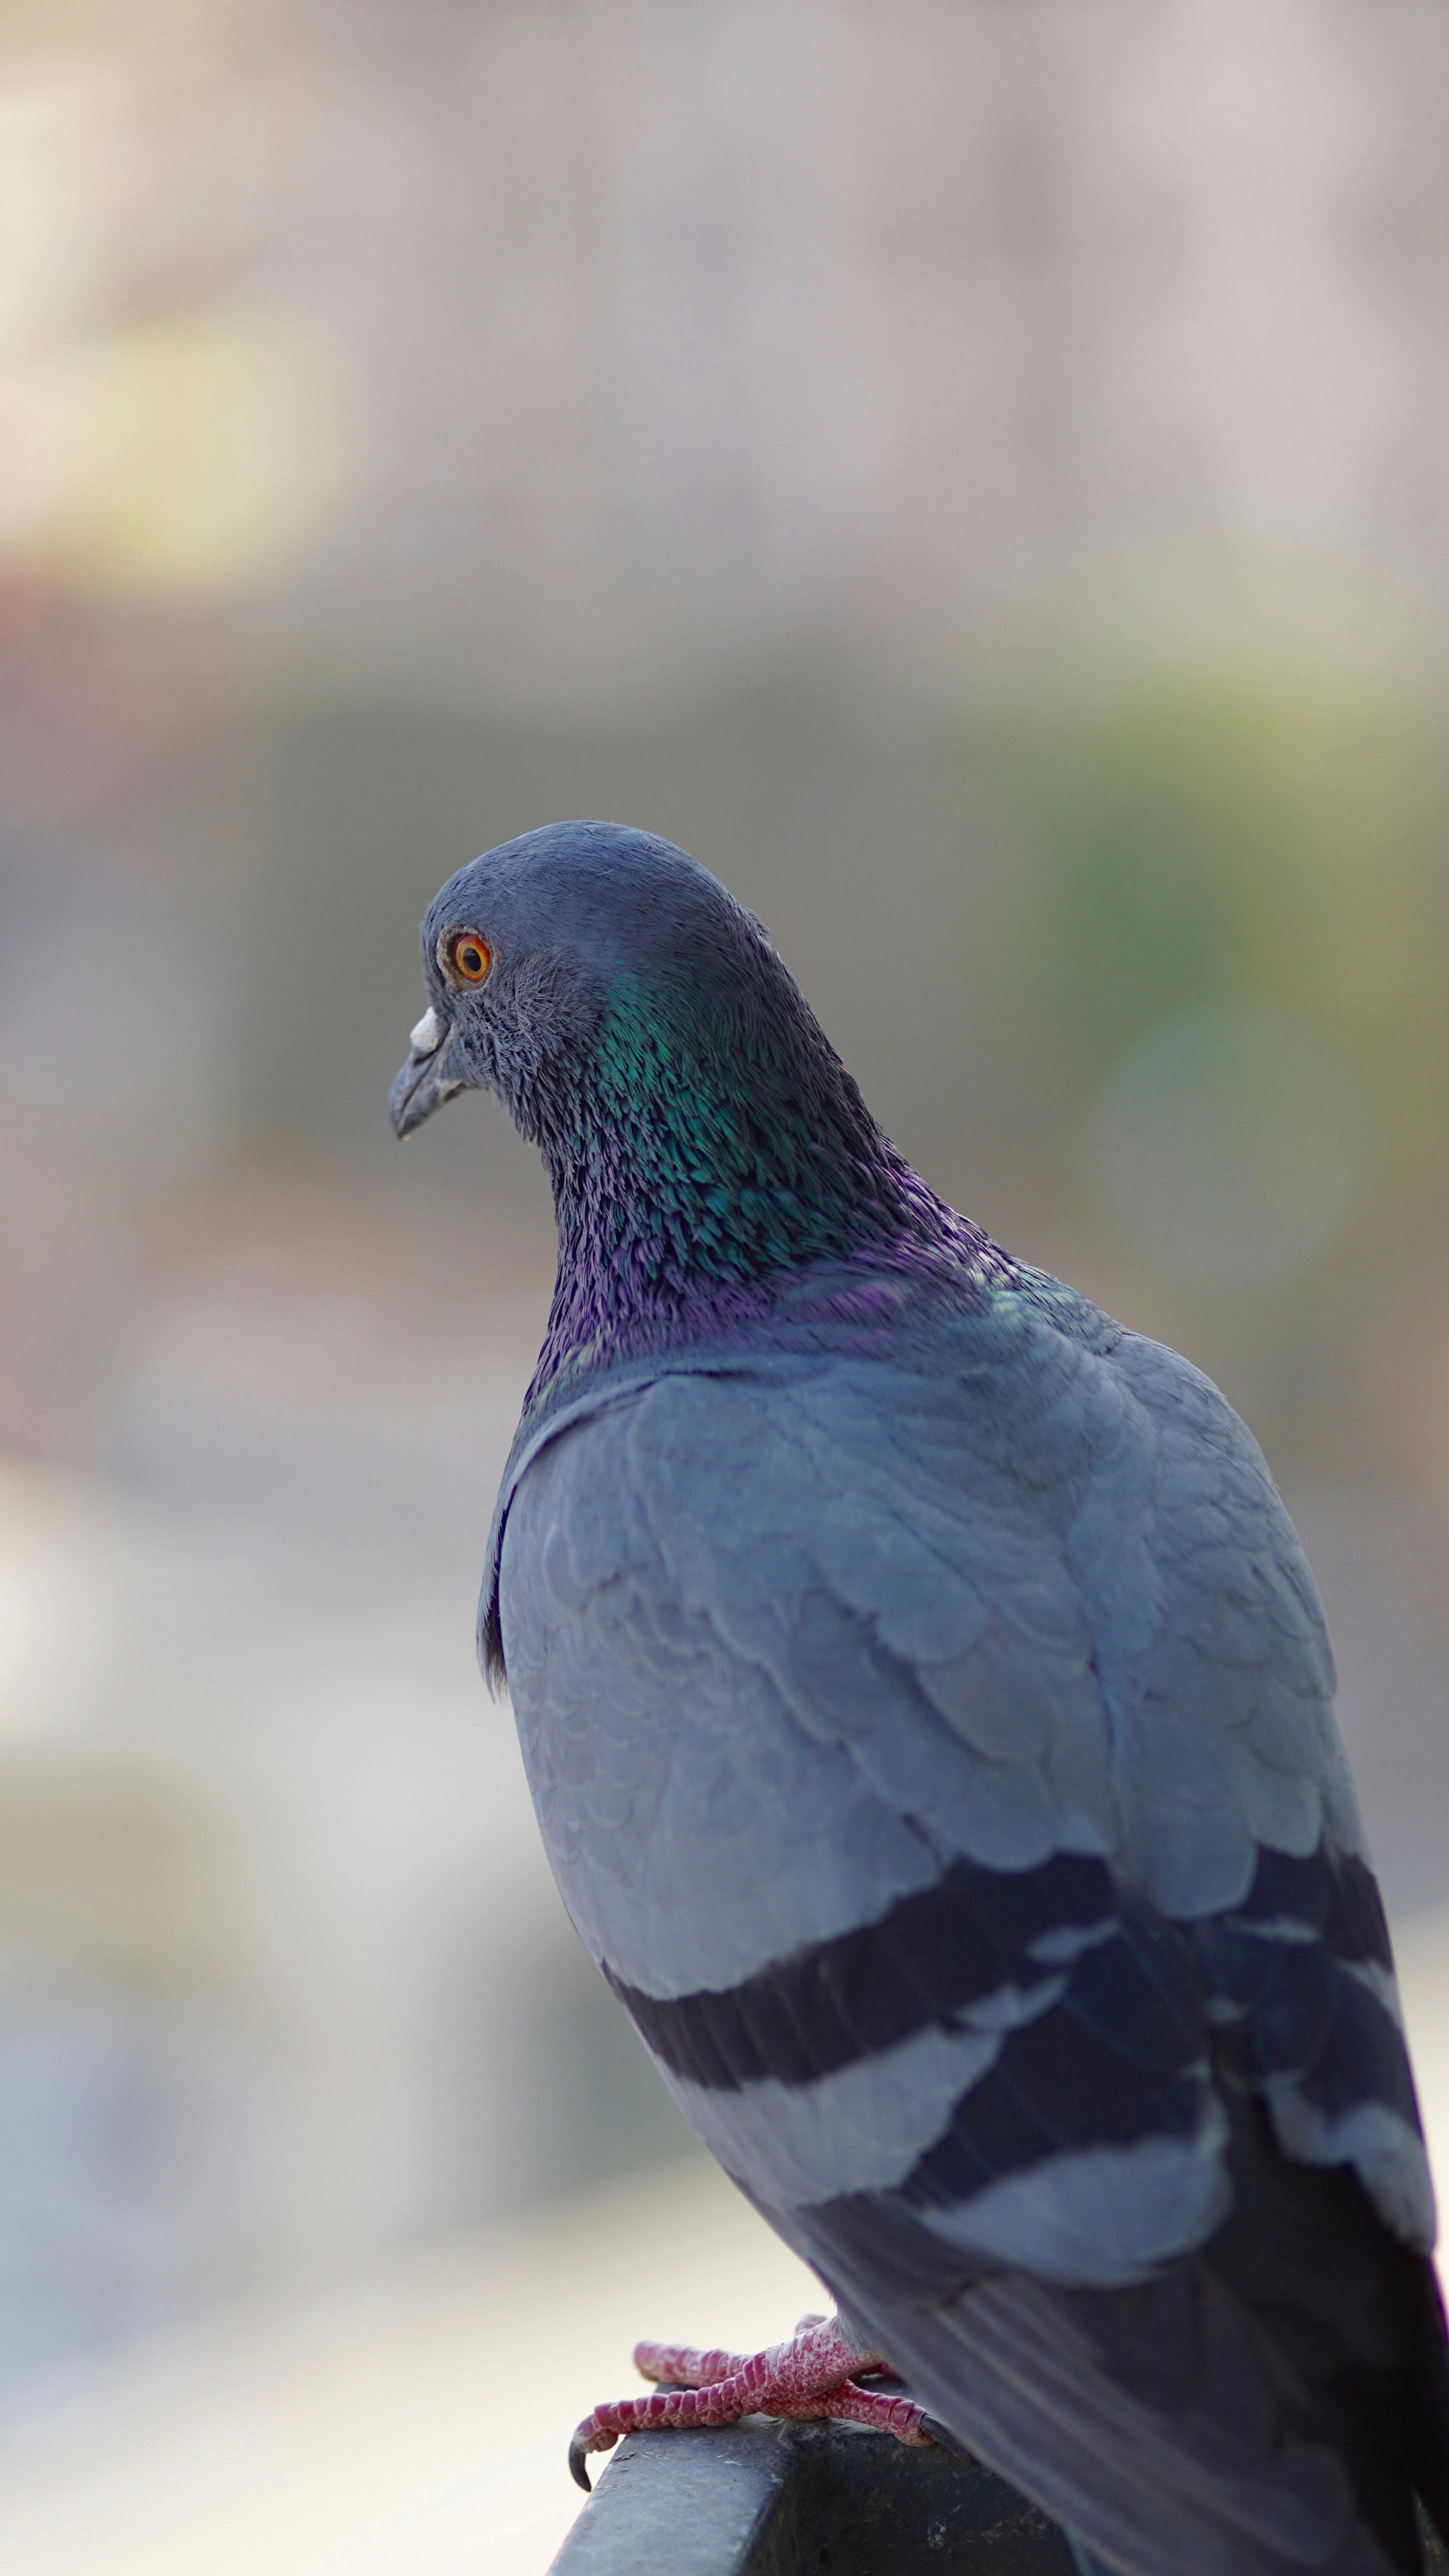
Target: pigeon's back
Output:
[(929, 1719)]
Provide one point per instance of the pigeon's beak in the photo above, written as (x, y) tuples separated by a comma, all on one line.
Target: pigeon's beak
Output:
[(428, 1078)]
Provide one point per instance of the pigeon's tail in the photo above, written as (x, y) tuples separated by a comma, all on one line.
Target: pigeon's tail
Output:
[(1429, 2433), (1269, 2405), (1428, 2443), (1086, 2564)]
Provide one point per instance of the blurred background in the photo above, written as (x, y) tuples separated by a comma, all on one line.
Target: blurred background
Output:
[(977, 477)]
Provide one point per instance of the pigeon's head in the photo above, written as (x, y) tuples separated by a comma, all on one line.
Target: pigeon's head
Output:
[(699, 1129), (578, 941)]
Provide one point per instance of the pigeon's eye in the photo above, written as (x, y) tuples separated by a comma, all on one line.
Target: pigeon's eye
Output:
[(470, 956)]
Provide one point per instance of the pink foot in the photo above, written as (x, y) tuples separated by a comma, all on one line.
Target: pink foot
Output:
[(811, 2376)]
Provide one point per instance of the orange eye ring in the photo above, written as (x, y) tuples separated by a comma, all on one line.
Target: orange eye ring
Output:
[(469, 956)]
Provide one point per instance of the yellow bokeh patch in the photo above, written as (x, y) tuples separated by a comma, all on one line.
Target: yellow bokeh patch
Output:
[(181, 453)]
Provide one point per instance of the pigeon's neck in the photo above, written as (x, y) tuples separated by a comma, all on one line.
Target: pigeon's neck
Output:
[(687, 1184)]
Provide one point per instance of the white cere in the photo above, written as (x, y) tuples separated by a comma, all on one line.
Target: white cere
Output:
[(427, 1037)]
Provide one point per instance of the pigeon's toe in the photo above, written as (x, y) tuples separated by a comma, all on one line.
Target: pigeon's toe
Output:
[(812, 2377)]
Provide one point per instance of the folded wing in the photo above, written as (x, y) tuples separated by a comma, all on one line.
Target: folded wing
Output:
[(935, 1750)]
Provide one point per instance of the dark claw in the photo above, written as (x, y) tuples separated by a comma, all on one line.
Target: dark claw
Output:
[(943, 2434), (578, 2454)]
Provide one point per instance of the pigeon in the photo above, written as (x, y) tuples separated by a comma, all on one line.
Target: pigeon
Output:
[(928, 1712)]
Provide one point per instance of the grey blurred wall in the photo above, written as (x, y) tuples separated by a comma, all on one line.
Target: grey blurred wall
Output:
[(976, 476)]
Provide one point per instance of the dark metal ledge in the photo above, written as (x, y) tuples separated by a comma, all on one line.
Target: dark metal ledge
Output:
[(766, 2499)]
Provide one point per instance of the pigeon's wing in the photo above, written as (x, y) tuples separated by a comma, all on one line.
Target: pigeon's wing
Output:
[(911, 1734), (937, 1756)]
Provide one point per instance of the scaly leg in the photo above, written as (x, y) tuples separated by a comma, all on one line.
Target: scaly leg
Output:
[(811, 2376)]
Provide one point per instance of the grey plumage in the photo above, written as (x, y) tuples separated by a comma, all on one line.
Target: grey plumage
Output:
[(927, 1707)]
